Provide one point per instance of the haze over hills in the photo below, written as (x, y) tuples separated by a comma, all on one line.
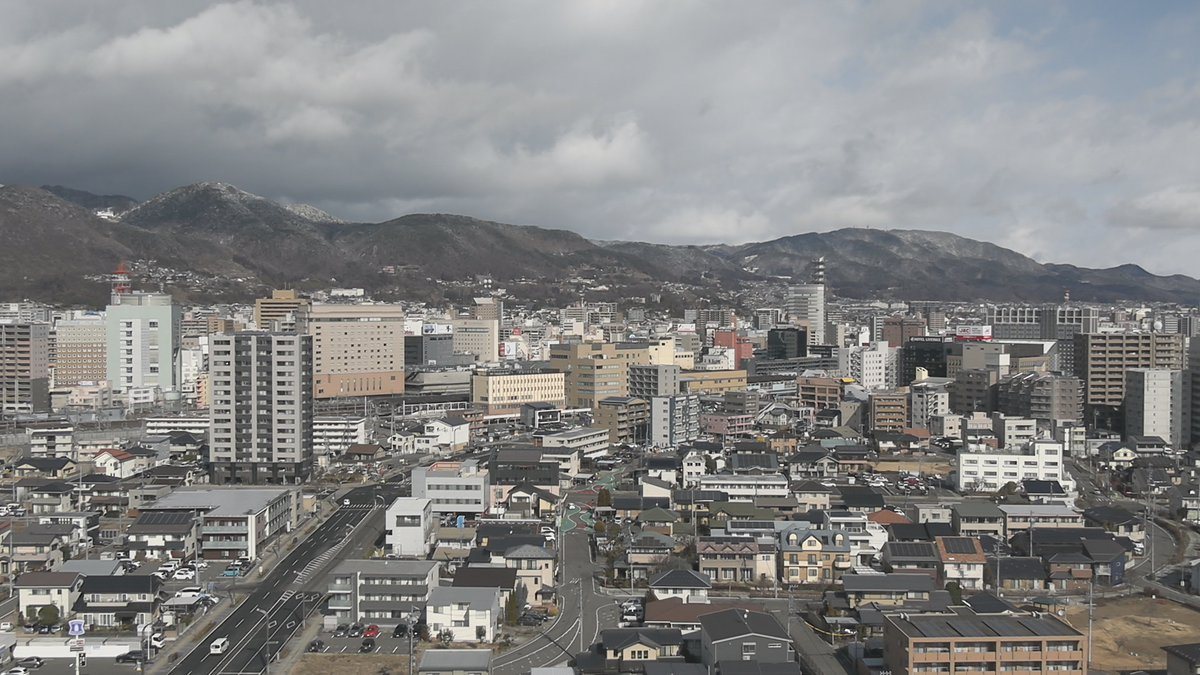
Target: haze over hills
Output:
[(53, 239)]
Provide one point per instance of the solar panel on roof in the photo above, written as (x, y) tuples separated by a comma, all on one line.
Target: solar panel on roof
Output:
[(966, 628), (959, 545), (1039, 627), (1006, 627), (932, 628), (908, 549)]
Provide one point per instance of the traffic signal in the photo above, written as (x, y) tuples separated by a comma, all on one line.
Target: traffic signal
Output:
[(82, 660)]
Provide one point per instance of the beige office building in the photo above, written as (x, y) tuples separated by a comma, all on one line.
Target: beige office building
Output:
[(480, 337), (276, 307), (499, 392), (597, 370), (358, 350), (80, 351)]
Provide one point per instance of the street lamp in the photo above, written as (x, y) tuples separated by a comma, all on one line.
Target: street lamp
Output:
[(266, 640)]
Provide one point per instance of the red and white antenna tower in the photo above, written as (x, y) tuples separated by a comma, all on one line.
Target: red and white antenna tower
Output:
[(120, 282)]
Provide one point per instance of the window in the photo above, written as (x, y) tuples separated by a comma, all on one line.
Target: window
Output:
[(748, 648)]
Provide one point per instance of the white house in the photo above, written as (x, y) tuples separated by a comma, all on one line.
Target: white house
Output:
[(452, 434), (411, 529), (471, 614), (982, 468), (39, 589), (121, 464)]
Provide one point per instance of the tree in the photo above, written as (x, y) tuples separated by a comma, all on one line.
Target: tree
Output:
[(598, 526), (603, 497), (955, 592), (48, 614), (446, 636), (510, 610), (710, 465), (480, 633)]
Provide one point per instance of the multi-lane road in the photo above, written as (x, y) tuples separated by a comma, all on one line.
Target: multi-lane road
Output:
[(274, 609)]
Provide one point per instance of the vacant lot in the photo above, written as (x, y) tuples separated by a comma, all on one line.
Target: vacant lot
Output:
[(929, 466), (351, 664), (1129, 632)]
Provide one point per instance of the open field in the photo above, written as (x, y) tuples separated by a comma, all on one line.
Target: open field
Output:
[(1130, 631), (928, 467)]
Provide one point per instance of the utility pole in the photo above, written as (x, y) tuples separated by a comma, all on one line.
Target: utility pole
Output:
[(1091, 604)]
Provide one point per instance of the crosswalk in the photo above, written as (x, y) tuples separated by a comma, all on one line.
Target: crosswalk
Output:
[(362, 507), (287, 595)]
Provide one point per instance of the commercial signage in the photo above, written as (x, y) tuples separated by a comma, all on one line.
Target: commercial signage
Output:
[(973, 333)]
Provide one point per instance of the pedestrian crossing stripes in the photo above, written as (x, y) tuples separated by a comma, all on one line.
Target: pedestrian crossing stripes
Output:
[(319, 562), (362, 507), (287, 595)]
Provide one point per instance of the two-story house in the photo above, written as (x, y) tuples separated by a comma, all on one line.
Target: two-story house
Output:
[(742, 635), (536, 568), (164, 534), (109, 602), (737, 559), (813, 556), (470, 614), (689, 585), (962, 560), (627, 650), (36, 590)]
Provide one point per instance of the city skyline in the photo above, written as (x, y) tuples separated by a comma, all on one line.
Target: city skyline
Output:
[(1065, 132)]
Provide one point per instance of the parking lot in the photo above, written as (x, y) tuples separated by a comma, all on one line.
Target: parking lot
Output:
[(95, 666), (384, 642)]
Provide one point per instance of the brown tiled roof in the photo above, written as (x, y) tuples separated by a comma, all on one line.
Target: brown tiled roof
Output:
[(675, 610)]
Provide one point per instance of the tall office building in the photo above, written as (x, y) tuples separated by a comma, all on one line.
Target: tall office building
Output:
[(487, 309), (80, 350), (277, 307), (786, 343), (429, 349), (674, 419), (1154, 404), (929, 352), (358, 350), (1045, 322), (806, 304), (142, 342), (261, 411), (898, 330), (480, 337), (24, 367)]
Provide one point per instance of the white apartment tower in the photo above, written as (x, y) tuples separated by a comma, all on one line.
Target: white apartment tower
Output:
[(806, 303), (873, 366), (1154, 404), (142, 341), (261, 408)]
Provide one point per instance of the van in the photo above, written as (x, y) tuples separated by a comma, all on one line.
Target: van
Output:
[(218, 646)]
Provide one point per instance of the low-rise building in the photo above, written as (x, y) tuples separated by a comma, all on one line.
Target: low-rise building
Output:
[(742, 635), (470, 614), (164, 535), (813, 556), (978, 518), (962, 561), (689, 585), (455, 662), (373, 591), (737, 559), (237, 520), (410, 527), (130, 600), (453, 487), (1018, 517), (36, 590)]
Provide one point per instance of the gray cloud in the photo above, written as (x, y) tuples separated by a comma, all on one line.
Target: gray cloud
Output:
[(672, 122)]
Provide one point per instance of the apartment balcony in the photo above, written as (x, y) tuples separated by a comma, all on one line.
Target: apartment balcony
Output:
[(224, 545), (842, 564), (225, 529)]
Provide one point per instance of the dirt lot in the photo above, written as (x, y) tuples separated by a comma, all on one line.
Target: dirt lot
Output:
[(1129, 632), (351, 664)]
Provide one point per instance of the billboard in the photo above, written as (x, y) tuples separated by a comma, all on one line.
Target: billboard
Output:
[(973, 333)]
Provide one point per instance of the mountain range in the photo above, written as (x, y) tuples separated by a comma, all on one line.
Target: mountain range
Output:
[(53, 239)]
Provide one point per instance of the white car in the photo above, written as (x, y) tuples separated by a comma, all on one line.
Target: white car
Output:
[(189, 592), (185, 574), (198, 564)]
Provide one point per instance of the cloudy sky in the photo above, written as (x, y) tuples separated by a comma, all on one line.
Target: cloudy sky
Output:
[(1069, 131)]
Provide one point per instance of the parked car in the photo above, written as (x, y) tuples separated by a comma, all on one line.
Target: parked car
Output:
[(135, 656), (368, 646), (316, 646), (158, 640), (184, 574), (17, 671), (31, 662), (232, 572), (198, 564), (356, 630), (371, 631), (529, 620), (342, 630), (189, 592), (400, 631), (6, 627)]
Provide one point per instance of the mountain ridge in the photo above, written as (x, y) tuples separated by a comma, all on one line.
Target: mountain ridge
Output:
[(218, 229)]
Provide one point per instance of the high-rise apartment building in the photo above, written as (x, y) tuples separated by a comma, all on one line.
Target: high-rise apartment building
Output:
[(648, 381), (261, 411), (142, 342), (24, 367), (1154, 404), (873, 366), (596, 370), (674, 420), (358, 350), (1045, 322), (80, 350), (898, 330), (887, 411), (278, 307), (1041, 396), (1101, 360)]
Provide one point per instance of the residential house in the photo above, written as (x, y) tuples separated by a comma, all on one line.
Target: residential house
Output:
[(44, 467), (689, 585), (811, 496), (1019, 517), (121, 463), (1117, 521), (812, 462), (378, 590), (1019, 573), (892, 590), (536, 569), (628, 650), (860, 499), (677, 613), (1185, 501), (657, 520), (36, 551), (852, 459), (53, 497), (912, 557), (1183, 659), (495, 575), (742, 635), (719, 514), (976, 518), (451, 435), (962, 560), (410, 527), (364, 452), (530, 500), (743, 559), (455, 662), (36, 590), (471, 614), (647, 550), (129, 600), (813, 556)]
